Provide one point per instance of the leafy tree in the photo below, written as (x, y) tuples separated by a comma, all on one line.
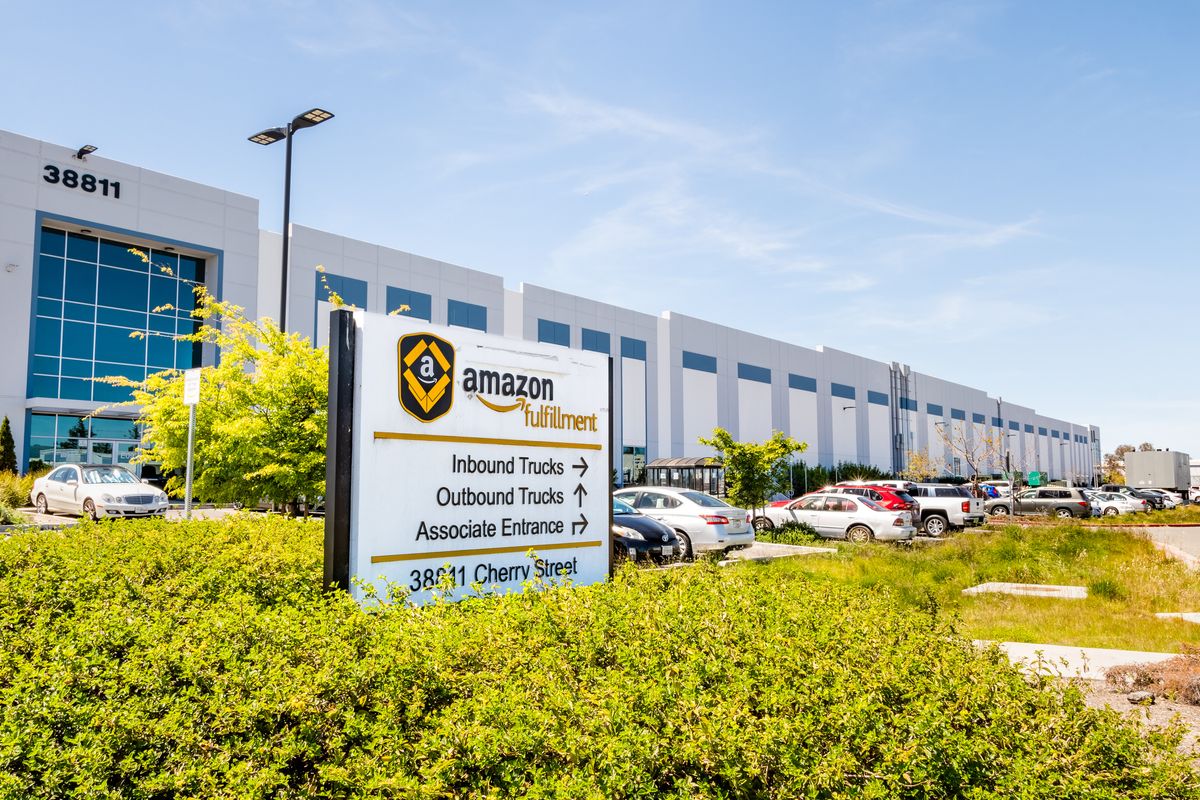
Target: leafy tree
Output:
[(978, 446), (1145, 447), (753, 471), (261, 420), (8, 448), (920, 466)]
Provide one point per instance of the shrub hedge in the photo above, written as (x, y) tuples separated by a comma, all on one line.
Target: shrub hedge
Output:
[(157, 660)]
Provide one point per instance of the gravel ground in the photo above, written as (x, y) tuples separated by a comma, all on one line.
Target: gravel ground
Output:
[(1158, 715)]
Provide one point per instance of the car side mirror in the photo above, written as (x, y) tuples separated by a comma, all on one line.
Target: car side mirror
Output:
[(72, 482), (146, 481)]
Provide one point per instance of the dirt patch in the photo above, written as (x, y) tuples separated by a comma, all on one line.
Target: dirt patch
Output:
[(1099, 694)]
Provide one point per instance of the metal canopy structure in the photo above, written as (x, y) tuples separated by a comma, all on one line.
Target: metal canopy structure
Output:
[(703, 473)]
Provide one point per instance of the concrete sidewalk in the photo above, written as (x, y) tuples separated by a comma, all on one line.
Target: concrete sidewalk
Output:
[(1180, 543), (1089, 663)]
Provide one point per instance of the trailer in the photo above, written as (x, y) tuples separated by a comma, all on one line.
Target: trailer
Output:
[(1159, 469)]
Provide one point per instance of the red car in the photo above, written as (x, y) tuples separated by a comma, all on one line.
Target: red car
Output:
[(891, 499)]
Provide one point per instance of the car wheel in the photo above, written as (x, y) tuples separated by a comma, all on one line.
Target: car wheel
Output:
[(685, 546), (1062, 513), (935, 526), (89, 510), (1110, 512), (42, 506), (763, 524), (1000, 511), (859, 534)]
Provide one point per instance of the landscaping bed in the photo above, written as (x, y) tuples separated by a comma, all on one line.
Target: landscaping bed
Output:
[(1128, 581), (156, 659)]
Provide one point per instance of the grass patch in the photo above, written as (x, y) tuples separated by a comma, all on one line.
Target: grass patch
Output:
[(1128, 581), (156, 660)]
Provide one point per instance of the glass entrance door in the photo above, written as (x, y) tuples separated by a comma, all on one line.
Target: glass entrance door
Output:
[(100, 452)]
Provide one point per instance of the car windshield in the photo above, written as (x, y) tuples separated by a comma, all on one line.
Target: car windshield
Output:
[(871, 504), (621, 507), (702, 499), (107, 475), (905, 496)]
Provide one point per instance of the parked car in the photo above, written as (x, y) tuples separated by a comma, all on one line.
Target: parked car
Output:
[(844, 516), (1060, 501), (701, 522), (945, 507), (890, 498), (1169, 500), (1156, 502), (1113, 504), (1003, 488), (97, 490), (638, 537)]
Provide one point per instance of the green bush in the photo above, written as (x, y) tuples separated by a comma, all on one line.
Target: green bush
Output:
[(14, 490), (157, 660), (8, 516), (792, 533)]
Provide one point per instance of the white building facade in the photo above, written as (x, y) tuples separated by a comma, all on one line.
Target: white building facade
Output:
[(71, 295)]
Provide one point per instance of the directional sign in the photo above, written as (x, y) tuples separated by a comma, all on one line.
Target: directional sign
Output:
[(1035, 479), (471, 450), (191, 386)]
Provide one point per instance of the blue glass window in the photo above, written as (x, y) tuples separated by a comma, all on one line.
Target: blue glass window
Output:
[(164, 263), (958, 413), (352, 290), (596, 341), (81, 282), (45, 365), (466, 315), (77, 339), (841, 390), (1013, 425), (54, 242), (73, 389), (74, 368), (420, 305), (79, 312), (50, 276), (802, 382), (49, 308), (552, 332), (933, 409), (47, 337), (1041, 431), (116, 254), (115, 344), (699, 361), (1028, 428), (878, 398), (81, 247), (997, 422), (160, 352), (121, 288), (633, 348), (162, 291), (978, 418), (43, 386), (749, 372), (908, 404)]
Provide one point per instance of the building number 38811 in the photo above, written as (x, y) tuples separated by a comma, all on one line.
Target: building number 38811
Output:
[(85, 181)]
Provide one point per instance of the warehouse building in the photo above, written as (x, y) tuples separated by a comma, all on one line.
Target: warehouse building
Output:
[(71, 293)]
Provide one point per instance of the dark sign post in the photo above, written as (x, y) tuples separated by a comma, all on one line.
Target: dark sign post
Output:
[(338, 477)]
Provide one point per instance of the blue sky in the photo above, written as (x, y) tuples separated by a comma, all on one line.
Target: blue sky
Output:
[(1001, 194)]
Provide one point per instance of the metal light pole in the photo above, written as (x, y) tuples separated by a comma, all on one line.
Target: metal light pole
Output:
[(314, 116)]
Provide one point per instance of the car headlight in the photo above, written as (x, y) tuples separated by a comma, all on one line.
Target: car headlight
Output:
[(108, 498), (628, 533), (162, 497)]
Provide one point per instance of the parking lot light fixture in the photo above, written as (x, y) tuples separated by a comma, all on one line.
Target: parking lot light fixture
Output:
[(314, 116)]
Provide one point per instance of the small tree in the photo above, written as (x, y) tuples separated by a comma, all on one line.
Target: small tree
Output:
[(261, 421), (920, 466), (753, 471), (8, 448), (983, 446)]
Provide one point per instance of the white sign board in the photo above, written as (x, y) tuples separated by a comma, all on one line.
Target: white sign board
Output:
[(469, 451), (191, 386)]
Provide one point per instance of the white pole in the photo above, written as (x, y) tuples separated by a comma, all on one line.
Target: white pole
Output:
[(187, 496)]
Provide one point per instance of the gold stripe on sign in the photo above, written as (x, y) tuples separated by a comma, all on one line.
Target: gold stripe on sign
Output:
[(431, 437), (482, 551)]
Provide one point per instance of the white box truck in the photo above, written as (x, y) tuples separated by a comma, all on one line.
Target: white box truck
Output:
[(1158, 469)]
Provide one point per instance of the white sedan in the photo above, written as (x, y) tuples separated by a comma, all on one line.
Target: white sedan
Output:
[(1110, 504), (97, 491), (843, 516), (702, 522)]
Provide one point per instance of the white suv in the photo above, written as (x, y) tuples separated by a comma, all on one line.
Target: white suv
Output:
[(702, 522)]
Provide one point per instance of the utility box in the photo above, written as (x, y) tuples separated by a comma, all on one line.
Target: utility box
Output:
[(1158, 469)]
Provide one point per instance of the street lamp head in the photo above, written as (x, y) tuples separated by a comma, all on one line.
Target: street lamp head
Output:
[(314, 116), (86, 150), (269, 136)]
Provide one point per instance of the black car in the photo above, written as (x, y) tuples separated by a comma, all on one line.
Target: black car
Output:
[(637, 536), (1155, 501)]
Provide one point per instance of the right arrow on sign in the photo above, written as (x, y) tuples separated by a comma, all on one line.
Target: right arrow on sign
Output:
[(580, 525), (582, 466), (579, 493)]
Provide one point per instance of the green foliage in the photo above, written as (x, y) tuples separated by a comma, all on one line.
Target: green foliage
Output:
[(8, 448), (15, 489), (8, 516), (261, 421), (792, 533), (157, 659), (753, 471), (807, 478)]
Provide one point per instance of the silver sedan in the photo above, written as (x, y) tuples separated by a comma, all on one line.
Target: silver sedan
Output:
[(96, 490)]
